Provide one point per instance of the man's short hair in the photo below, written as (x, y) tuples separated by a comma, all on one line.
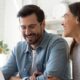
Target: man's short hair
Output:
[(32, 9)]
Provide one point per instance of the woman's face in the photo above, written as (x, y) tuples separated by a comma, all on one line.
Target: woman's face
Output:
[(69, 24)]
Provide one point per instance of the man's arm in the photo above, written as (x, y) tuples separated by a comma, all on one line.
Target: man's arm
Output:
[(10, 69), (58, 62), (36, 74), (15, 78), (57, 67), (53, 78)]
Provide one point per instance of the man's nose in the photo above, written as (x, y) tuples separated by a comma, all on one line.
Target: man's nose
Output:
[(27, 31)]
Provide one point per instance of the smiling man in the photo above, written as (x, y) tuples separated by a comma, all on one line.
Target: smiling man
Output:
[(42, 56)]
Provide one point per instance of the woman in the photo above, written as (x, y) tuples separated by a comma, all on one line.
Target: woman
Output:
[(71, 25)]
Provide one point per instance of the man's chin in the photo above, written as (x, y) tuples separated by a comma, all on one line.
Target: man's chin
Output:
[(31, 42)]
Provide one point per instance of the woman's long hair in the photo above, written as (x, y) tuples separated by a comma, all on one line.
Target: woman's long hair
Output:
[(72, 46), (75, 10)]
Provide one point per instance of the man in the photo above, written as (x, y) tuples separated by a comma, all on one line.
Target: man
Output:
[(42, 56), (71, 26)]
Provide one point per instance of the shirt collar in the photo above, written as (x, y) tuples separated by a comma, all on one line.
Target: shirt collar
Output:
[(44, 41), (28, 48)]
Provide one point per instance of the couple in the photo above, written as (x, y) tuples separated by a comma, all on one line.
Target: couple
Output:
[(42, 56)]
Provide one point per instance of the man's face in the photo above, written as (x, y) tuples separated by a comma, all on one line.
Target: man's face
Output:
[(31, 29), (69, 24)]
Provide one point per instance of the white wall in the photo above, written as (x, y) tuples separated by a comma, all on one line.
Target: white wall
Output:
[(48, 6), (72, 1), (54, 10), (2, 10), (11, 33)]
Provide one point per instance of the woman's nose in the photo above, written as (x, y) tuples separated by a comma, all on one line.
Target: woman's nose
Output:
[(62, 22)]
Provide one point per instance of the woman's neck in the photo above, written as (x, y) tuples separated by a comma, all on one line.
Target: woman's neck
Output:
[(77, 38)]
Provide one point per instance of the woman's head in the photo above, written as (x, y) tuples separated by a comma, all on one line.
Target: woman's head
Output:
[(75, 9), (71, 21)]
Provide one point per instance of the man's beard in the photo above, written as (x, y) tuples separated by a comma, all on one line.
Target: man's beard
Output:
[(32, 38)]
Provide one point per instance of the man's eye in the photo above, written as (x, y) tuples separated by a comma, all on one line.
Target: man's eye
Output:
[(23, 27), (32, 26)]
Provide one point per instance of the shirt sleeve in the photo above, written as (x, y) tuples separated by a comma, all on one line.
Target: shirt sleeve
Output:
[(10, 68), (1, 76), (58, 62)]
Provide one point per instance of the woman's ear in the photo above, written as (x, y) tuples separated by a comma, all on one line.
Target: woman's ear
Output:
[(77, 20)]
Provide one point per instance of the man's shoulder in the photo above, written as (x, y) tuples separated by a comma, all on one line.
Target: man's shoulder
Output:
[(57, 40), (55, 37), (20, 48), (21, 45)]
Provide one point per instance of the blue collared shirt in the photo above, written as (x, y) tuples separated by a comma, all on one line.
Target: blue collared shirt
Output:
[(52, 59)]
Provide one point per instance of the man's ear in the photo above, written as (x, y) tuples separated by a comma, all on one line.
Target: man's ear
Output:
[(43, 24)]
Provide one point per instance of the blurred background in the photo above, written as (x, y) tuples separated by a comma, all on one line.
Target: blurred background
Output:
[(9, 25)]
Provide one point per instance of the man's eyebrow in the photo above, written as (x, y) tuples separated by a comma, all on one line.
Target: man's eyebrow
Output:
[(32, 24)]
